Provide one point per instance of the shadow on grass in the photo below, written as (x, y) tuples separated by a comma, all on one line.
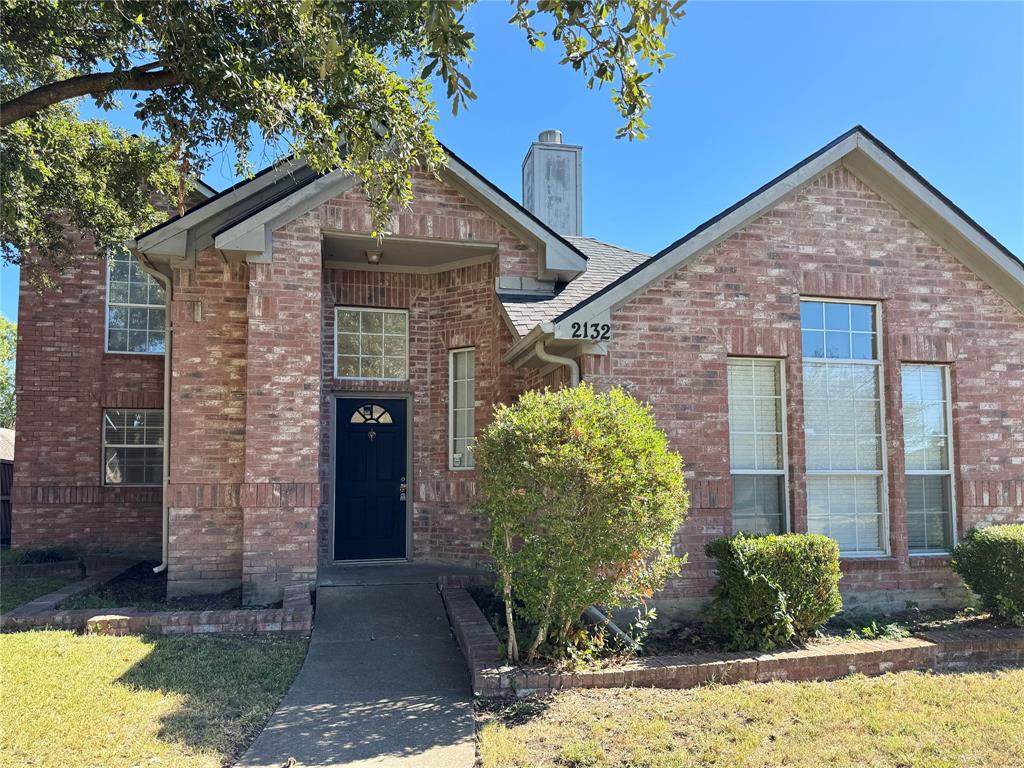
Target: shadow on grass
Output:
[(363, 726), (511, 711), (230, 686)]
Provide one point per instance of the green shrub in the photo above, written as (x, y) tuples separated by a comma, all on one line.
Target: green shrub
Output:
[(25, 556), (991, 561), (774, 590), (583, 497)]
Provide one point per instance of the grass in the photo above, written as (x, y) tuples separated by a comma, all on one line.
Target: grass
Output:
[(906, 720), (20, 590), (175, 702)]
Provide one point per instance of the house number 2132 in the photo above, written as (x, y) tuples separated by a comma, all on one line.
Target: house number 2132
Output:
[(592, 331)]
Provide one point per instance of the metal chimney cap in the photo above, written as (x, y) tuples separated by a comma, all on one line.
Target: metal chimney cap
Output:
[(550, 136)]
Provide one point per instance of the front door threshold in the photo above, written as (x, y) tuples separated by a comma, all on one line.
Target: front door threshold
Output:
[(364, 573)]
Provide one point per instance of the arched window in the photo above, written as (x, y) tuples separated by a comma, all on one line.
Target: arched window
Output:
[(369, 413)]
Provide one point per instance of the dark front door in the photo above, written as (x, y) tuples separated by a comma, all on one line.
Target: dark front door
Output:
[(370, 479)]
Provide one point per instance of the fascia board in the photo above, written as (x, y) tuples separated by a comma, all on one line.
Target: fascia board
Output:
[(735, 220), (558, 256), (192, 218), (937, 219), (253, 235)]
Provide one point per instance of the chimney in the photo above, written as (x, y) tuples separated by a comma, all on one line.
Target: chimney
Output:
[(553, 183)]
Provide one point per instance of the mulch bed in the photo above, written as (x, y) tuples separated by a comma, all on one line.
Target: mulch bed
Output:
[(140, 588), (674, 637)]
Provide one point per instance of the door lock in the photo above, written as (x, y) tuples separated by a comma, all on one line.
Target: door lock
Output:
[(402, 487)]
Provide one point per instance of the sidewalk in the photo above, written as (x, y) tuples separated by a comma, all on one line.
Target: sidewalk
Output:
[(384, 684)]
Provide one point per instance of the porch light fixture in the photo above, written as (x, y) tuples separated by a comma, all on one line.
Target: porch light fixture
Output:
[(373, 257)]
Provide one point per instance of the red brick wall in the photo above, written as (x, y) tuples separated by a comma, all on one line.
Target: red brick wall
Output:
[(439, 212), (208, 315), (447, 310), (835, 238), (282, 447), (64, 380)]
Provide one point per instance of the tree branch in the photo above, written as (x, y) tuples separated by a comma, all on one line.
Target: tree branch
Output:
[(137, 79)]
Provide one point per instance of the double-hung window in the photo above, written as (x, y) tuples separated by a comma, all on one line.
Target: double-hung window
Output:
[(136, 307), (371, 343), (462, 407), (929, 462), (133, 447), (843, 424), (757, 443)]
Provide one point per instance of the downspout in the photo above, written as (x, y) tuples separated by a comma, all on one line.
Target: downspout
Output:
[(164, 509), (547, 357)]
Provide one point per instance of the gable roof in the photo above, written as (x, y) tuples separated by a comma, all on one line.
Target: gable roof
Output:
[(869, 159), (606, 263), (239, 219)]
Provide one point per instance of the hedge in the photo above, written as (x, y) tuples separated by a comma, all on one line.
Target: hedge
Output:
[(773, 590), (991, 561)]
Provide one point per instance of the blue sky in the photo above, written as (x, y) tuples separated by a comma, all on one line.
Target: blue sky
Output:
[(753, 89)]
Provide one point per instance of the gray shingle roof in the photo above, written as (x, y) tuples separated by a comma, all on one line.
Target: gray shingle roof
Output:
[(606, 262)]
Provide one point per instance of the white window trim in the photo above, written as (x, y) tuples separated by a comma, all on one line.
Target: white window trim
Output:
[(334, 342), (883, 472), (451, 405), (780, 368), (947, 390), (104, 445), (106, 318)]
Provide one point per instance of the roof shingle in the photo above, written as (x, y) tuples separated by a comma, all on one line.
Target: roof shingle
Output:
[(606, 263)]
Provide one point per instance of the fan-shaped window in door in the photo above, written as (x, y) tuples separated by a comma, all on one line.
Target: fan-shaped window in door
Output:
[(370, 413)]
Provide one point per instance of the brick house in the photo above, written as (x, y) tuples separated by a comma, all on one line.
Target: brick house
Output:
[(261, 389)]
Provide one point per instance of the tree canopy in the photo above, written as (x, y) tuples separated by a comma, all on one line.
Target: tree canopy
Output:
[(8, 347), (340, 84)]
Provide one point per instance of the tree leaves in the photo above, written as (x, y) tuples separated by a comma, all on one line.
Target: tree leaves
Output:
[(8, 347), (324, 78), (583, 497)]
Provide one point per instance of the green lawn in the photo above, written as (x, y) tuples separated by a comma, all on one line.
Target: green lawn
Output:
[(906, 720), (89, 701), (18, 591)]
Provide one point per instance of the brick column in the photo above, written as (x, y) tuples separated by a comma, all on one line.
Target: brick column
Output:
[(281, 490), (207, 426)]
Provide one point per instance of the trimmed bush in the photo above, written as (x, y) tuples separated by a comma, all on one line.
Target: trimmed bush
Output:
[(583, 497), (991, 561), (25, 556), (773, 590)]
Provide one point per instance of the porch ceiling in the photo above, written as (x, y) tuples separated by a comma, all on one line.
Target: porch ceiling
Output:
[(402, 254)]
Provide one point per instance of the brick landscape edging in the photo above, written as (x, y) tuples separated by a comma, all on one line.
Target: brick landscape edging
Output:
[(294, 617), (953, 648)]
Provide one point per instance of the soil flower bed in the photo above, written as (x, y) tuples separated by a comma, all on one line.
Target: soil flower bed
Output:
[(942, 643), (140, 588)]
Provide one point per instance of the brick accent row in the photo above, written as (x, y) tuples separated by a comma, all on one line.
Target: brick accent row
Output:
[(490, 677)]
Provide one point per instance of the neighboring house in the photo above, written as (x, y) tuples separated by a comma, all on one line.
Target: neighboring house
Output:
[(842, 351), (6, 480)]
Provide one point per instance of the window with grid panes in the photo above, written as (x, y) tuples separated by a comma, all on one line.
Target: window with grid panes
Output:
[(371, 343), (843, 424), (757, 446), (928, 458), (462, 405), (133, 447), (136, 307)]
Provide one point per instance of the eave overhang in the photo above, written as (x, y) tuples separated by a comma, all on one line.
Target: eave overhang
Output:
[(878, 167)]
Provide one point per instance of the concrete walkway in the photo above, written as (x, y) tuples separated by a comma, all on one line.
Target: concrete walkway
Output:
[(383, 684)]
